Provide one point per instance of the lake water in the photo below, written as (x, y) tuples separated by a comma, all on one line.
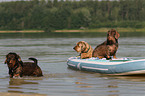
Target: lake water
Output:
[(52, 52)]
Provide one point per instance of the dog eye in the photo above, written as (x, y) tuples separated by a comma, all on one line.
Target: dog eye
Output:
[(78, 44)]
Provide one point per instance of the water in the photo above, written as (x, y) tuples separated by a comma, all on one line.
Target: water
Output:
[(52, 52)]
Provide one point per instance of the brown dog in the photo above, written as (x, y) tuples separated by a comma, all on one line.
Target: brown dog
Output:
[(17, 68), (102, 50), (84, 49)]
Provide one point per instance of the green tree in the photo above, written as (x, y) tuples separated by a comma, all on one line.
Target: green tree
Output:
[(80, 17)]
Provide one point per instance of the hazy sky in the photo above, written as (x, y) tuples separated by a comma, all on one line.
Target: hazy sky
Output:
[(10, 0), (6, 0)]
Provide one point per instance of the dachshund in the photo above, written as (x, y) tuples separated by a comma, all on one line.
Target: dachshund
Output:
[(102, 50), (18, 68), (84, 49)]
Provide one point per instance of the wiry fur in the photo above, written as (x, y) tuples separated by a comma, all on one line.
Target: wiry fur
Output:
[(84, 49), (17, 68), (109, 47)]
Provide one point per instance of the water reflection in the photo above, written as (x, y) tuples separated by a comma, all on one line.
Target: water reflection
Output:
[(140, 78), (83, 85), (20, 82), (112, 88), (92, 86), (83, 88), (17, 85)]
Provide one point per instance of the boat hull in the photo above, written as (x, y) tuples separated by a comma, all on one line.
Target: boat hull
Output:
[(109, 67)]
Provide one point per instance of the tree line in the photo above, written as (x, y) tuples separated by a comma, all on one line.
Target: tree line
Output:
[(71, 14)]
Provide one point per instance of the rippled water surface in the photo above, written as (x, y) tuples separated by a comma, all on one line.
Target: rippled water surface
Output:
[(52, 53)]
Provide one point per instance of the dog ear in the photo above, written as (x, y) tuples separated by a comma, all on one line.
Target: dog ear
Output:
[(19, 58), (5, 61), (84, 46), (117, 35)]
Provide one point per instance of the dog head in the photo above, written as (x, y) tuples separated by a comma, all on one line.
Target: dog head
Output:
[(81, 46), (12, 59), (113, 33), (111, 40)]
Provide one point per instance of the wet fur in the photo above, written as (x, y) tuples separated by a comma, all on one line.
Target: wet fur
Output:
[(17, 68)]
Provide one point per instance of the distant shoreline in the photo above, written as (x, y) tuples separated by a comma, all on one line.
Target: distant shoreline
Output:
[(21, 31), (76, 30), (100, 30)]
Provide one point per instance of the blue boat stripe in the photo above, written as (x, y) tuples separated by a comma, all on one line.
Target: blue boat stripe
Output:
[(71, 64), (94, 68), (78, 66)]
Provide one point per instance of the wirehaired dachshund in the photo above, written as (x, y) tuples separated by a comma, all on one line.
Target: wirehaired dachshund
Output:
[(84, 49), (18, 68), (109, 47)]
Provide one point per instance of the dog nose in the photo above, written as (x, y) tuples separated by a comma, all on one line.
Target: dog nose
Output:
[(74, 48), (8, 60)]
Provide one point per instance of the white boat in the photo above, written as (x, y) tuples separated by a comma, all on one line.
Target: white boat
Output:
[(121, 66)]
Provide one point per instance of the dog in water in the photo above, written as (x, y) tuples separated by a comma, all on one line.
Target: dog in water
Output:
[(18, 68), (84, 49)]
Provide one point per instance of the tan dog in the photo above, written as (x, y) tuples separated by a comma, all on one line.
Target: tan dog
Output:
[(102, 50), (84, 49)]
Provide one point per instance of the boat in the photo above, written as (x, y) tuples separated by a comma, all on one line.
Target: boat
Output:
[(120, 66)]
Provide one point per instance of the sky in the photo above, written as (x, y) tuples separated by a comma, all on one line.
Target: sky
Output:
[(9, 0), (6, 0)]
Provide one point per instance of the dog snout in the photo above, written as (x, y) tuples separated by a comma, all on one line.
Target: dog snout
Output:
[(74, 48), (8, 60), (109, 38)]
